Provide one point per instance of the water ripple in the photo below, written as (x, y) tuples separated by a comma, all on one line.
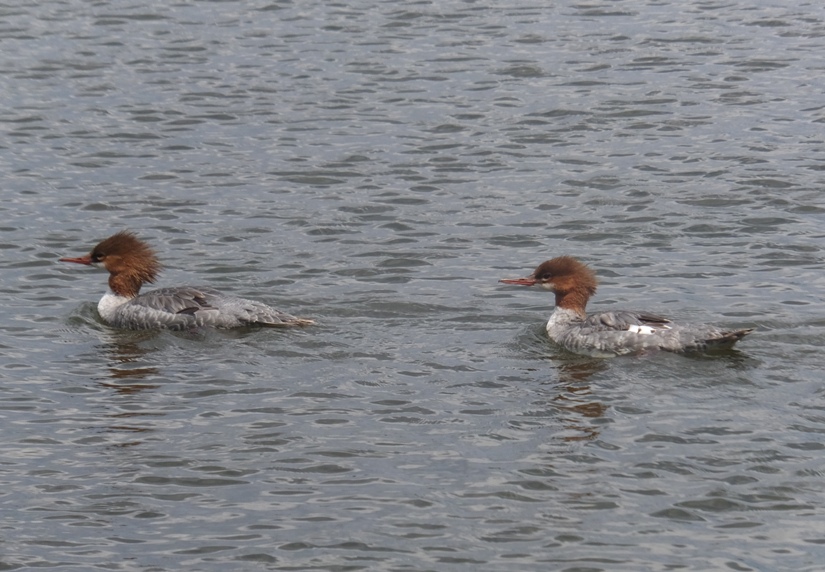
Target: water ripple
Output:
[(379, 167)]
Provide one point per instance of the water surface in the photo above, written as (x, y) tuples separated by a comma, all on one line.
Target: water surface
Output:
[(379, 166)]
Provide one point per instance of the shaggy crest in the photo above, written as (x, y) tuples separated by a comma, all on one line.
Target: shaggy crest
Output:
[(130, 261), (617, 332), (567, 273)]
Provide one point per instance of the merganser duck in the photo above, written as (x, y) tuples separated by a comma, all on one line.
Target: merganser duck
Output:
[(131, 263), (612, 333)]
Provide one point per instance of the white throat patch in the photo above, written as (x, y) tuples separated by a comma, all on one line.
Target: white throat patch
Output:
[(109, 304)]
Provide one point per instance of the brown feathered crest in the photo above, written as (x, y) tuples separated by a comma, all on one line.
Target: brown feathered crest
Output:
[(130, 261)]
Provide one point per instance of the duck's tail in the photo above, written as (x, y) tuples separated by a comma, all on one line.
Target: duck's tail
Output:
[(287, 322), (726, 339)]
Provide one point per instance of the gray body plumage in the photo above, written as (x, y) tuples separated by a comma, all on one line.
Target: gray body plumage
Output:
[(624, 332), (186, 307), (612, 333), (131, 263)]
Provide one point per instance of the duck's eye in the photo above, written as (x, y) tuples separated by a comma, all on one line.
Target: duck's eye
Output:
[(96, 257), (545, 276)]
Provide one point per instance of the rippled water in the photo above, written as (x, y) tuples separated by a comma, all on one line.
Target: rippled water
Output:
[(379, 166)]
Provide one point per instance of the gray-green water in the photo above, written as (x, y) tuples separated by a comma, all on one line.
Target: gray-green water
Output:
[(379, 166)]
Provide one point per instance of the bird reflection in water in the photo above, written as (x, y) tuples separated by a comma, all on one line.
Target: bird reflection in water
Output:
[(575, 396), (124, 351)]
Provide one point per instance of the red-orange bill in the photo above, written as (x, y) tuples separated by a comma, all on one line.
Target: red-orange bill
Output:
[(519, 281), (79, 260)]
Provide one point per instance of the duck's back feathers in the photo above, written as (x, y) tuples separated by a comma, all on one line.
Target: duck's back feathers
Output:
[(626, 332), (189, 307)]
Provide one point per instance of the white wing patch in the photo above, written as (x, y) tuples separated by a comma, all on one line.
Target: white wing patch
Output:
[(643, 330)]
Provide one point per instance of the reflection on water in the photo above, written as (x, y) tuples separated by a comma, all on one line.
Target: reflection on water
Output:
[(383, 165), (575, 396), (124, 351)]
